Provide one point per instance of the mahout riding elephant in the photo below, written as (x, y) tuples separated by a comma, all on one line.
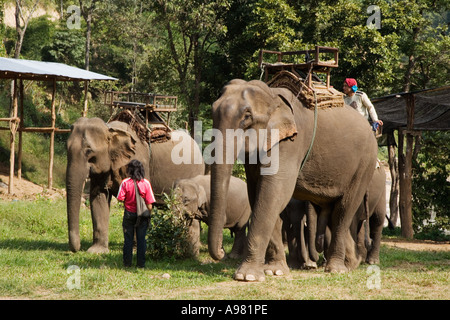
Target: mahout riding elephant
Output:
[(101, 151), (335, 174), (195, 196), (299, 231)]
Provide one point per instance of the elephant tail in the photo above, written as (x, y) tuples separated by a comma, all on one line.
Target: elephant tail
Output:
[(368, 241)]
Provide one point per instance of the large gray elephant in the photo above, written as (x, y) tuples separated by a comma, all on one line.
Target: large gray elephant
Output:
[(335, 174), (195, 196), (101, 151)]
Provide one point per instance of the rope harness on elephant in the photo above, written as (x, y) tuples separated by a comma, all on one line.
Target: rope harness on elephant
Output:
[(313, 136)]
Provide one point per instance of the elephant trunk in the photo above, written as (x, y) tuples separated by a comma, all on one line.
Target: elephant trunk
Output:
[(75, 177), (220, 180)]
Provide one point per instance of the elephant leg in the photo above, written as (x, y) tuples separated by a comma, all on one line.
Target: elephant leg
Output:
[(275, 257), (274, 193), (360, 240), (239, 245), (322, 223), (194, 237), (307, 262), (341, 251), (311, 222), (100, 222), (294, 245), (376, 228)]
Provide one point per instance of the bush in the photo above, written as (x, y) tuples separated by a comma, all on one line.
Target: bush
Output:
[(431, 187), (168, 231)]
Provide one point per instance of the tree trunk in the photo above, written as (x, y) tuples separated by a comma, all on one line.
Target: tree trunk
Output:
[(411, 63), (21, 29), (393, 199), (193, 114)]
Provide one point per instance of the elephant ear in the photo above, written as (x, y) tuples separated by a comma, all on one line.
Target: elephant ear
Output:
[(202, 203), (122, 147), (201, 197), (282, 118)]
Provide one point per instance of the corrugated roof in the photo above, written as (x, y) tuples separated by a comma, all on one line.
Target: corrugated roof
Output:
[(40, 70)]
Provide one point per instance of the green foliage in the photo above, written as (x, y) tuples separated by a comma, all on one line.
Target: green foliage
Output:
[(168, 231), (431, 187), (66, 47)]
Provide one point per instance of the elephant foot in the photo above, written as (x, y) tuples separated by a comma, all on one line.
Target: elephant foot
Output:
[(310, 265), (250, 272), (372, 260), (278, 268), (336, 266), (74, 247), (98, 249)]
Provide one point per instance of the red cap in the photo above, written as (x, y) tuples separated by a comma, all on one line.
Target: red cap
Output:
[(351, 82)]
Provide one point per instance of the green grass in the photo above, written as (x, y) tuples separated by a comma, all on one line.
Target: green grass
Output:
[(34, 261)]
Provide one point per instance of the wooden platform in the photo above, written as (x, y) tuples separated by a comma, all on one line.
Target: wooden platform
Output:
[(304, 61), (149, 105)]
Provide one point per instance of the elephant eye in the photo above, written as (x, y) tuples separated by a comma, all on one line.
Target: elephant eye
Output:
[(247, 119)]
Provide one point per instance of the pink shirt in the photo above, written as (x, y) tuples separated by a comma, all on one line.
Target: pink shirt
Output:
[(127, 194)]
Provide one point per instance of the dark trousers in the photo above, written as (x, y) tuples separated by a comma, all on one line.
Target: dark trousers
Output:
[(129, 225)]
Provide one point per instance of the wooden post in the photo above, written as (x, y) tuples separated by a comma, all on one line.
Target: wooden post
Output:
[(52, 137), (393, 167), (21, 125), (85, 103), (13, 129), (406, 169)]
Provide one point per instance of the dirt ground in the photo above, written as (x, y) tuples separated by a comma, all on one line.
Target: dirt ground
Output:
[(23, 189), (417, 245)]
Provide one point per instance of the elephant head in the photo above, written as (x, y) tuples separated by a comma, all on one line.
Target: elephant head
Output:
[(101, 152), (193, 197), (246, 106)]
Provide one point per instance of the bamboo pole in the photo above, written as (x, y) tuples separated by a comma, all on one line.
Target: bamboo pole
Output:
[(52, 138), (21, 124), (12, 126), (85, 103)]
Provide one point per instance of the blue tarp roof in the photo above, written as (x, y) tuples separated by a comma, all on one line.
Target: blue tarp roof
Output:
[(40, 70)]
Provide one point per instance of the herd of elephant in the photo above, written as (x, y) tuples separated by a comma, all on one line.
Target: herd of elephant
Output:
[(328, 194)]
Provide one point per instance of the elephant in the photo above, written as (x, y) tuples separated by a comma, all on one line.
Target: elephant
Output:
[(335, 174), (302, 249), (299, 231), (195, 195), (367, 226), (101, 151)]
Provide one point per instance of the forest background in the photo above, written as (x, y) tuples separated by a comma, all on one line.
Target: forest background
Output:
[(192, 48)]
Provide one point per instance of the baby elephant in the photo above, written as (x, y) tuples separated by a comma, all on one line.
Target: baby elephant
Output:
[(195, 196)]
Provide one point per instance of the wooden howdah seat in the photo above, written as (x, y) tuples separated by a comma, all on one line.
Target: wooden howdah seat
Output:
[(300, 76)]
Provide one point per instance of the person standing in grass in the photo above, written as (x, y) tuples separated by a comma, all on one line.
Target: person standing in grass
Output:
[(135, 172)]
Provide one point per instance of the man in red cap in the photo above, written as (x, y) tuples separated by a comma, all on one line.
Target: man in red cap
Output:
[(360, 101)]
